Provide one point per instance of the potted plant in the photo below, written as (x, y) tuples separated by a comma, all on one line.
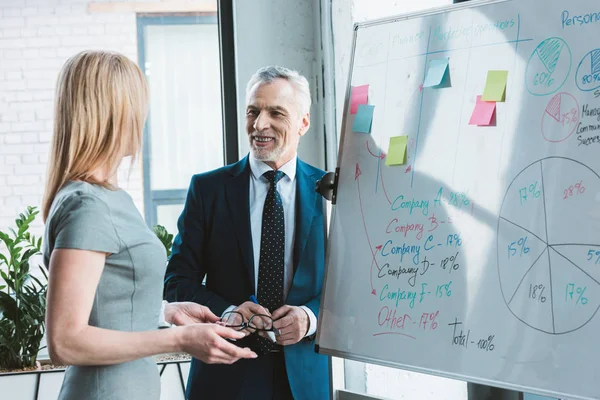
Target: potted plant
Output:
[(22, 307), (22, 321)]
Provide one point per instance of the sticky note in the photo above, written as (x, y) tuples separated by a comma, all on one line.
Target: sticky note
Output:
[(363, 118), (483, 112), (437, 72), (495, 86), (360, 95), (396, 154)]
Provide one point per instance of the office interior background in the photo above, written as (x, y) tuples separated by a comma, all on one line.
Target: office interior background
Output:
[(197, 56)]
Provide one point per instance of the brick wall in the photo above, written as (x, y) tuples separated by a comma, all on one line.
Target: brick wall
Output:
[(36, 37)]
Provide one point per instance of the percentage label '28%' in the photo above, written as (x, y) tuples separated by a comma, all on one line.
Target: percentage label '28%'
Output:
[(574, 190), (529, 192), (576, 294), (518, 248)]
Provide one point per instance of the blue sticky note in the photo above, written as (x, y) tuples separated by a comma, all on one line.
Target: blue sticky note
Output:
[(437, 72), (363, 118)]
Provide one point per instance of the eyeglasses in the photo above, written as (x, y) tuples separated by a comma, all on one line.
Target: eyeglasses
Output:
[(258, 322)]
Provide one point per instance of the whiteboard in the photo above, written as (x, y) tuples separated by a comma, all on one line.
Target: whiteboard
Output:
[(479, 259)]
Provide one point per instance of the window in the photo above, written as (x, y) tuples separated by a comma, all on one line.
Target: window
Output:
[(184, 134)]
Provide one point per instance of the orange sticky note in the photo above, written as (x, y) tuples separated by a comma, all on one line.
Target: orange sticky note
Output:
[(360, 95), (483, 112)]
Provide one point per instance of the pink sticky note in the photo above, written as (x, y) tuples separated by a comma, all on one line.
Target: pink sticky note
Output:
[(483, 112), (360, 95)]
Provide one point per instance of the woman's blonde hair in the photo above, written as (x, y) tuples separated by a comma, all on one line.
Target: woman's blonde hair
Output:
[(101, 104)]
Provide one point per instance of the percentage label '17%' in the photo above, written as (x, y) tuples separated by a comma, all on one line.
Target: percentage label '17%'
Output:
[(576, 294), (529, 192)]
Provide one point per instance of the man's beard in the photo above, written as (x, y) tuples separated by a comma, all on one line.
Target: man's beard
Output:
[(267, 155)]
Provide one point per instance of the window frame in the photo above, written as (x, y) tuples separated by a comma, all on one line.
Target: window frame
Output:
[(224, 20)]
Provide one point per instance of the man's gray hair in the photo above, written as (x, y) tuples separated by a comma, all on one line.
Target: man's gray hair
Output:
[(270, 73)]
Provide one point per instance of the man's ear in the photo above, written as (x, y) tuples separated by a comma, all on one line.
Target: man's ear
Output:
[(305, 124)]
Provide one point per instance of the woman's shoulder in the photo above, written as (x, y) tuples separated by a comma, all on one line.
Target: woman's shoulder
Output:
[(77, 194)]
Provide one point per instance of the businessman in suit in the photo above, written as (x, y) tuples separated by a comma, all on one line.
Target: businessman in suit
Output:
[(257, 227)]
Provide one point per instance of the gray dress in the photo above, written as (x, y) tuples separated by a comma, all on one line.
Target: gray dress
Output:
[(129, 294)]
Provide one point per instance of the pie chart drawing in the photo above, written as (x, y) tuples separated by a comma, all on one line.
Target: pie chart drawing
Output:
[(549, 245), (560, 117), (587, 77), (548, 67)]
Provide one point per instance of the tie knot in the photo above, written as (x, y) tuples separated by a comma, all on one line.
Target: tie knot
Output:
[(274, 176)]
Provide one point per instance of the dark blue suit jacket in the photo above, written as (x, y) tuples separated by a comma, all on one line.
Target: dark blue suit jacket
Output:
[(215, 241)]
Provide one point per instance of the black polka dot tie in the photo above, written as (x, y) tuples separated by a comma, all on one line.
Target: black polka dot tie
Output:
[(271, 261)]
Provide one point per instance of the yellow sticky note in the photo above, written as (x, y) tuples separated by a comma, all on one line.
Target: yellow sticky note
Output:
[(495, 86), (396, 154)]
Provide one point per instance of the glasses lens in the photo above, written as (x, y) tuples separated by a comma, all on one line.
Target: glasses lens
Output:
[(261, 322), (233, 319)]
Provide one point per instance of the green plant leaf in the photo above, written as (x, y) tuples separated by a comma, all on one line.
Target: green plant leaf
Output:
[(6, 239), (36, 280), (165, 237), (22, 322), (44, 271), (7, 280), (28, 254), (8, 306)]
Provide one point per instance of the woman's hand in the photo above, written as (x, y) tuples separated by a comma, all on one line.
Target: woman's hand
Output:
[(186, 313), (207, 342)]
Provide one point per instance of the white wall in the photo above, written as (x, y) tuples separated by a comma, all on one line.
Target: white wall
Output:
[(366, 378), (286, 33), (36, 37)]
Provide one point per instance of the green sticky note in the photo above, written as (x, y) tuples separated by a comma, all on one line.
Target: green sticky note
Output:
[(363, 118), (396, 154), (495, 86)]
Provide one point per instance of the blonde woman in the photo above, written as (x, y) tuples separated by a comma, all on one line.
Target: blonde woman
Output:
[(106, 266)]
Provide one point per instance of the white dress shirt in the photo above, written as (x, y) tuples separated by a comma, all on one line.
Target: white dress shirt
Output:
[(259, 186)]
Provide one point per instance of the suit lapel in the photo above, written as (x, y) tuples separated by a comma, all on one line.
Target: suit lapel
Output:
[(306, 198), (238, 199)]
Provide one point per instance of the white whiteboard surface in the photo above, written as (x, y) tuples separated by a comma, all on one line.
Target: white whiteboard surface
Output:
[(480, 258)]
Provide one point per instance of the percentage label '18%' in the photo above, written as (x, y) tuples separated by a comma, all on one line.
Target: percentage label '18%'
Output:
[(451, 263), (536, 292)]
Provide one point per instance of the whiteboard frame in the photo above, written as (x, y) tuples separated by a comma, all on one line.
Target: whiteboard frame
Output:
[(349, 356)]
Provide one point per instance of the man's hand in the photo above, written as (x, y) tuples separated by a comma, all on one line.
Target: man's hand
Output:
[(187, 313), (248, 309), (292, 323)]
